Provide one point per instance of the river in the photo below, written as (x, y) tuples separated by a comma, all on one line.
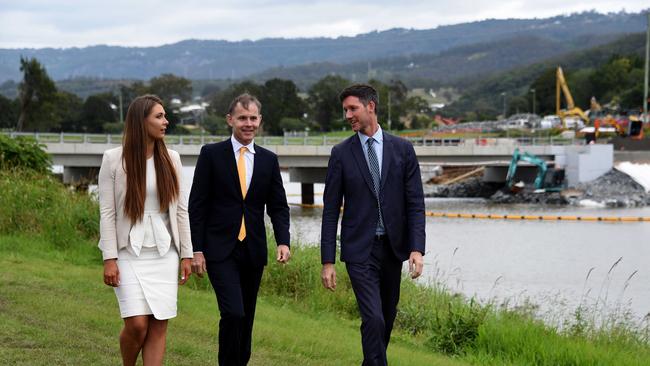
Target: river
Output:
[(555, 265)]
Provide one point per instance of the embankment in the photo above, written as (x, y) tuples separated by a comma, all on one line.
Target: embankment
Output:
[(55, 309)]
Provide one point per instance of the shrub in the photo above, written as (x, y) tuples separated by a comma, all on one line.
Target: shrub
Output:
[(37, 203), (23, 152)]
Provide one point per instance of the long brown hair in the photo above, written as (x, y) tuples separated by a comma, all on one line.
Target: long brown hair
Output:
[(134, 161)]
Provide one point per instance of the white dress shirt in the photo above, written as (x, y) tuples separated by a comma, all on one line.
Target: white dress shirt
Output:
[(248, 155), (378, 146)]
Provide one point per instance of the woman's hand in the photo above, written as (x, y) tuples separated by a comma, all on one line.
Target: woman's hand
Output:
[(186, 270), (111, 273)]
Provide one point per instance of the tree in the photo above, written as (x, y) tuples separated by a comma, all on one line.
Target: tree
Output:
[(280, 100), (37, 94), (325, 104), (130, 92), (517, 104), (9, 110), (220, 102), (392, 97), (69, 108), (215, 125), (544, 87), (95, 112), (293, 124), (169, 86)]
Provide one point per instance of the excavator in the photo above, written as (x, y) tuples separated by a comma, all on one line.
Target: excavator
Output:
[(571, 109), (602, 119), (547, 179)]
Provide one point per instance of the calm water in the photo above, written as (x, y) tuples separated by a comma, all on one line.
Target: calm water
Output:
[(544, 262)]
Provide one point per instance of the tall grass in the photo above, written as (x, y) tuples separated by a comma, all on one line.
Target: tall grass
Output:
[(37, 205)]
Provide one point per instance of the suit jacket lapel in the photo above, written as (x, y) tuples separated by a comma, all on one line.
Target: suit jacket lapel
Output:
[(387, 159), (231, 166), (360, 158)]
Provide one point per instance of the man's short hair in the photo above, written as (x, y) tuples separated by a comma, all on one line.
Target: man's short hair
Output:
[(245, 100), (364, 92)]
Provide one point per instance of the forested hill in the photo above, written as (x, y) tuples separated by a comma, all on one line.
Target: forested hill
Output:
[(213, 59), (579, 67), (475, 61)]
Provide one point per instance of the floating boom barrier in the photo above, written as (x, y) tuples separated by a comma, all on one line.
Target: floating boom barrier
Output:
[(519, 217)]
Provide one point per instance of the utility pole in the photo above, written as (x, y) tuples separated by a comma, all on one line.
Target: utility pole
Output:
[(389, 121), (119, 90), (645, 85), (504, 104), (533, 91)]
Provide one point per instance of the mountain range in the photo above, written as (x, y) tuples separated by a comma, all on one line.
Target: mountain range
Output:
[(438, 55)]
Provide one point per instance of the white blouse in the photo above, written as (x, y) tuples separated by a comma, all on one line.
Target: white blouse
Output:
[(154, 229)]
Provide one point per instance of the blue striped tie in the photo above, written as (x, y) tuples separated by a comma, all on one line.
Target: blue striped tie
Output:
[(373, 162)]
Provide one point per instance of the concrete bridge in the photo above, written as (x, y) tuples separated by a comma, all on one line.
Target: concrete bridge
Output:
[(306, 157)]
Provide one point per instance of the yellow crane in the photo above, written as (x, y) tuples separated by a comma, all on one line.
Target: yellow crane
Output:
[(571, 110)]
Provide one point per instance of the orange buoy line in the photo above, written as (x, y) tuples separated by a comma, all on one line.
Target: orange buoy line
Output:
[(539, 217), (518, 217)]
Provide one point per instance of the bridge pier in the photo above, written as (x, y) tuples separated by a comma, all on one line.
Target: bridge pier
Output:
[(80, 175), (307, 193), (307, 177)]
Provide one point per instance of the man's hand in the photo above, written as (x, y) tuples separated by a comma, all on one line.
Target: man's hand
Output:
[(328, 275), (416, 263), (283, 254), (111, 273), (186, 270), (198, 264)]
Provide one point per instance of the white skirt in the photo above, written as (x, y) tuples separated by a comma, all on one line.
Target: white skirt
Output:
[(148, 283)]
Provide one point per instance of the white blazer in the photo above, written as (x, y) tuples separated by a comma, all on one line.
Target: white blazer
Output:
[(115, 226)]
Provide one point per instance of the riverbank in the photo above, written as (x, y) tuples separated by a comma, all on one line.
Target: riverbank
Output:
[(52, 287), (55, 310)]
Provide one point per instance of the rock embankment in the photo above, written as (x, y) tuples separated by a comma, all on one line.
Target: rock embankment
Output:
[(613, 189)]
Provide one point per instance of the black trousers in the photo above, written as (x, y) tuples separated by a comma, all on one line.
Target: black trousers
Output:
[(236, 282), (376, 285)]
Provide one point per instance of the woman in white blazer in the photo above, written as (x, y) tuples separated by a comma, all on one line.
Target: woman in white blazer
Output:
[(144, 230)]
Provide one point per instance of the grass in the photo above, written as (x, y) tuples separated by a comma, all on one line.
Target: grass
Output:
[(54, 308)]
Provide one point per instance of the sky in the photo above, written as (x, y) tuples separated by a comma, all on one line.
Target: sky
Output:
[(80, 23)]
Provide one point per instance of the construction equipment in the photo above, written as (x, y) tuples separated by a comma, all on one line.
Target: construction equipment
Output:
[(549, 180), (608, 121), (636, 128), (571, 110)]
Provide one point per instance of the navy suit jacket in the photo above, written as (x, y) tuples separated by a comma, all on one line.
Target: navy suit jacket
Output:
[(216, 203), (402, 201)]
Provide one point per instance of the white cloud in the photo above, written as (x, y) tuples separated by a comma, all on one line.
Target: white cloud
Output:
[(68, 23)]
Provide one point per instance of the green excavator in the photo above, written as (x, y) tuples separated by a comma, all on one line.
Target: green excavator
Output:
[(547, 179)]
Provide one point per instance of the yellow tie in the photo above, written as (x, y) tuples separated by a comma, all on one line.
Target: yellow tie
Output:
[(241, 170)]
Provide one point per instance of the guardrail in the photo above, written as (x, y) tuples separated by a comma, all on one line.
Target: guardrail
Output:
[(287, 140)]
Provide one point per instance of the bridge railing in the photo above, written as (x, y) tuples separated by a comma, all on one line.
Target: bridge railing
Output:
[(322, 140)]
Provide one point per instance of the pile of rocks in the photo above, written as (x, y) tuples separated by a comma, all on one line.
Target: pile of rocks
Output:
[(613, 189)]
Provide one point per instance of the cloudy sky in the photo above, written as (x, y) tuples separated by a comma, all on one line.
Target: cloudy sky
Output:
[(78, 23)]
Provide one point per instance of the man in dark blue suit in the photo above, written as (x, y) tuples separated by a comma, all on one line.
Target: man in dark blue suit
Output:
[(377, 177), (234, 181)]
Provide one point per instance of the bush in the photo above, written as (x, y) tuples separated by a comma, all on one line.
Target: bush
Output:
[(23, 152), (36, 203), (457, 328), (113, 127)]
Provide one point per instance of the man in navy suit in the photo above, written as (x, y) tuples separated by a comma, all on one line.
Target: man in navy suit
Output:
[(234, 181), (377, 177)]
